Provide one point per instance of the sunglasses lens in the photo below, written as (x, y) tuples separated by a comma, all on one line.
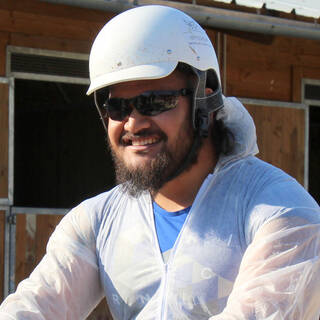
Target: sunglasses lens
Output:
[(117, 109), (156, 104)]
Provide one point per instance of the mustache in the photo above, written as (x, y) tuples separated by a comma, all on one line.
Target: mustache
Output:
[(144, 133)]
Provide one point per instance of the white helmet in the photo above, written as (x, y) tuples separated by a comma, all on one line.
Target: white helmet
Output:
[(148, 42)]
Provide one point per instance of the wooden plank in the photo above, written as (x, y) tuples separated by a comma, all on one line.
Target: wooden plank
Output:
[(297, 75), (218, 44), (4, 135), (45, 225), (51, 9), (284, 50), (306, 52), (54, 26), (258, 80), (60, 25), (6, 23), (31, 244), (266, 70), (25, 246), (32, 234), (4, 40), (21, 245), (280, 133), (255, 70), (50, 43)]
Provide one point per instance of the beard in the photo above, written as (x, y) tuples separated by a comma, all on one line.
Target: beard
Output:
[(161, 169)]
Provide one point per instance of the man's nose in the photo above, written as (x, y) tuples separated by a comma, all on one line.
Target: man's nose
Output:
[(136, 122)]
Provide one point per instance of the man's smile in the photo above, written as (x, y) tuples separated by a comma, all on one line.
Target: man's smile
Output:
[(144, 142), (131, 140)]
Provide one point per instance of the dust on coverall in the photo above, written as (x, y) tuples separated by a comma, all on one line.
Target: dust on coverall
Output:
[(249, 249)]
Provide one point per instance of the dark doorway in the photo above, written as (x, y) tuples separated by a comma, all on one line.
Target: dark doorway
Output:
[(314, 152), (60, 154)]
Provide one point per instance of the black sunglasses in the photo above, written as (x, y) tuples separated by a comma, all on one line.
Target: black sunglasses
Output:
[(150, 103)]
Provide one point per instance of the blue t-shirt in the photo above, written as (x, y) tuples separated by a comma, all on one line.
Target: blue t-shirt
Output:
[(168, 225)]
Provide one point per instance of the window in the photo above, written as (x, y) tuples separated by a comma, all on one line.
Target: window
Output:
[(60, 153)]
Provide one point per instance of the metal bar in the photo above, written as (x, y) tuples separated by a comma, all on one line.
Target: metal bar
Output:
[(11, 142), (8, 62), (306, 148), (49, 53), (51, 78), (6, 273), (307, 130), (311, 102), (35, 210), (213, 17), (311, 81), (273, 103), (4, 202), (12, 253)]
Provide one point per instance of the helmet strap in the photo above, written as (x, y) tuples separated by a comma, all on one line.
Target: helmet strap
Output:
[(204, 105), (99, 112)]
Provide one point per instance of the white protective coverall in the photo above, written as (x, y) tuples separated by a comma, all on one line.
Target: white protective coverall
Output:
[(249, 249)]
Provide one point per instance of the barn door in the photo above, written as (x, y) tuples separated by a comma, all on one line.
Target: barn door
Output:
[(282, 135)]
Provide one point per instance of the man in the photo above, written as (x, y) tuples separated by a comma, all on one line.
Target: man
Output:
[(198, 228)]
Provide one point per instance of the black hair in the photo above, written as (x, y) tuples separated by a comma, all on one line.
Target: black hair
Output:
[(222, 138)]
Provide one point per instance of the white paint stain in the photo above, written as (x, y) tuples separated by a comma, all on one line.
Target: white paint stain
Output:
[(31, 225)]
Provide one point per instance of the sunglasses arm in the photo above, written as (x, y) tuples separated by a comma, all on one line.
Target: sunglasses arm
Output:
[(100, 114)]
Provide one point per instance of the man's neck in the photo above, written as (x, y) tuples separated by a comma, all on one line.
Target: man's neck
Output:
[(180, 192)]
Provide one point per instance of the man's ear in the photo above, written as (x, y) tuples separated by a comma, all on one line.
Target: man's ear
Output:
[(208, 91)]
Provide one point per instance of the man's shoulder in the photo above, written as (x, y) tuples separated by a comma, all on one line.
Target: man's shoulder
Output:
[(258, 182), (266, 192), (252, 171), (108, 198)]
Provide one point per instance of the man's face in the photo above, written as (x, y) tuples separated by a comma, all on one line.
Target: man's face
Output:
[(149, 149)]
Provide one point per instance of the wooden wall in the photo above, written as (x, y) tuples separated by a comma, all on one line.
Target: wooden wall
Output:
[(37, 24), (281, 134), (253, 66), (268, 67), (31, 241)]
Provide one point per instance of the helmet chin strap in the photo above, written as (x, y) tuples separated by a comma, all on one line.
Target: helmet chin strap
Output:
[(202, 107), (99, 112)]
